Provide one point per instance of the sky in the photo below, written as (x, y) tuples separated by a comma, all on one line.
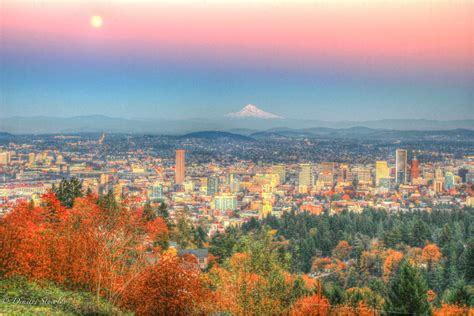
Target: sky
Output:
[(321, 59)]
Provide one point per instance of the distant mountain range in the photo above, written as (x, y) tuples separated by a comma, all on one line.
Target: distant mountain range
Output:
[(240, 125), (332, 133), (217, 135)]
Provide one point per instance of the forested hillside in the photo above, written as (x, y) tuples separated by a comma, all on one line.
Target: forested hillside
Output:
[(97, 254)]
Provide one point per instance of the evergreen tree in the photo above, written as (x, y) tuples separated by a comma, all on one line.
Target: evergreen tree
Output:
[(460, 294), (337, 296), (420, 233), (164, 214), (149, 212), (469, 272), (393, 237), (68, 190), (108, 202), (406, 292)]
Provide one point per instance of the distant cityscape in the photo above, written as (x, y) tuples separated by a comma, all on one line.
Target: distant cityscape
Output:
[(234, 179)]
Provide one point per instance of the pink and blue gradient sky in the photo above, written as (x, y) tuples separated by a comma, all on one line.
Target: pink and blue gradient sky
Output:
[(330, 60)]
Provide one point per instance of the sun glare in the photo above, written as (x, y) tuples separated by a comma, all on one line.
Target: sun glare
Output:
[(96, 21)]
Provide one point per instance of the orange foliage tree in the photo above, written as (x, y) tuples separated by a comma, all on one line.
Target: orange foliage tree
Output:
[(342, 250), (241, 289), (174, 286), (431, 255), (391, 263), (311, 305), (87, 247), (347, 310), (452, 310), (253, 282)]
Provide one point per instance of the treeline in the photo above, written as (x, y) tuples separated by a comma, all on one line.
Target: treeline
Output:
[(369, 252)]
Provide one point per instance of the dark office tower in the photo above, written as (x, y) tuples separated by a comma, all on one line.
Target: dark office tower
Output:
[(415, 168), (401, 166), (180, 166), (212, 186), (463, 174)]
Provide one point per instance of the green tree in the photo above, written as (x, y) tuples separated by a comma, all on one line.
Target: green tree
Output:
[(460, 294), (183, 230), (68, 190), (108, 202), (165, 215), (149, 213), (407, 292), (469, 270), (420, 233), (393, 237), (222, 244)]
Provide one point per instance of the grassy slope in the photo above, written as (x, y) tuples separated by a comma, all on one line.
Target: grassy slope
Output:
[(67, 302)]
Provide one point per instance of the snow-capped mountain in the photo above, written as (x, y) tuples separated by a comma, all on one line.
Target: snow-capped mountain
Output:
[(251, 111)]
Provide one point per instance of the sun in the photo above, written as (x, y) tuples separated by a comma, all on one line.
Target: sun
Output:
[(96, 21)]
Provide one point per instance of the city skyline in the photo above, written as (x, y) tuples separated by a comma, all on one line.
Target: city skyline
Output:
[(236, 157), (338, 60)]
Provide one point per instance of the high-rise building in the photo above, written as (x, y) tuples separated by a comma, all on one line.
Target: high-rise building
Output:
[(212, 186), (415, 169), (304, 177), (4, 158), (364, 175), (449, 181), (281, 171), (31, 158), (235, 185), (345, 174), (155, 191), (382, 171), (327, 167), (225, 202), (401, 166), (180, 168)]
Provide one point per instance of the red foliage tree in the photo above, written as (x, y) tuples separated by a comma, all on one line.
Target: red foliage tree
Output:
[(174, 286), (311, 305), (342, 250), (86, 247)]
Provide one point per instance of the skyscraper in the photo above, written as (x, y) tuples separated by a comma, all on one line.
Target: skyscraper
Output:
[(281, 171), (415, 168), (180, 166), (382, 171), (305, 175), (212, 186), (401, 166), (225, 202)]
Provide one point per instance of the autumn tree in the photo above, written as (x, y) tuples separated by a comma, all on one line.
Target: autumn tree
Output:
[(173, 286), (342, 250), (453, 310), (391, 263), (311, 305), (431, 255), (253, 281), (86, 247)]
